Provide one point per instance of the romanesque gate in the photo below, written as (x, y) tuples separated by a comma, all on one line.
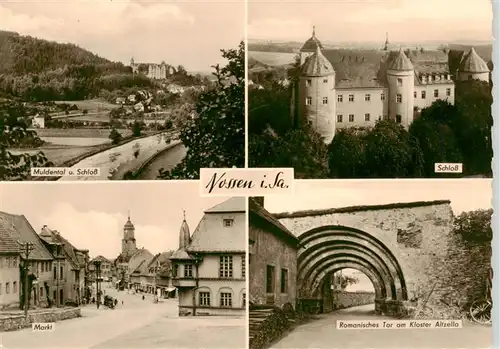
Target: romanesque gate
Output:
[(400, 247)]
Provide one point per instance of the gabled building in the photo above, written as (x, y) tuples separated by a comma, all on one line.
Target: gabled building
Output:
[(39, 260), (71, 268), (209, 266), (106, 269), (10, 256)]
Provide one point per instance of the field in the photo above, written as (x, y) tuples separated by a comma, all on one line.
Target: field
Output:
[(92, 105), (273, 58), (78, 132), (57, 154)]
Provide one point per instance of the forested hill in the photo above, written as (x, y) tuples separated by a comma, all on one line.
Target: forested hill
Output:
[(25, 54)]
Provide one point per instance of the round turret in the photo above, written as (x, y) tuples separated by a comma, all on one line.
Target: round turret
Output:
[(316, 94), (400, 77), (473, 67)]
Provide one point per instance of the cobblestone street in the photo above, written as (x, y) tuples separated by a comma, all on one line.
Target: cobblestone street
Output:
[(135, 324), (322, 334)]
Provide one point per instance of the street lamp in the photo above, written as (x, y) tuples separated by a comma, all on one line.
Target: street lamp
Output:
[(27, 247), (97, 265)]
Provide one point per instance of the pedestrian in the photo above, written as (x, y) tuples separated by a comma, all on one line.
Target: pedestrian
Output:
[(143, 297), (116, 302), (122, 302)]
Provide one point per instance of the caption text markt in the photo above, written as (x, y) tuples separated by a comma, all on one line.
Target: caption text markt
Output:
[(397, 324), (43, 327), (246, 181), (64, 171)]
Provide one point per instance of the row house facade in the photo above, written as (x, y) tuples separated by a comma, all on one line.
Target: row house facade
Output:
[(154, 276), (209, 267), (106, 269)]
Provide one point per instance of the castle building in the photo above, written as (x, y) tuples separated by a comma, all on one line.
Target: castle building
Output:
[(154, 71), (341, 88), (209, 267)]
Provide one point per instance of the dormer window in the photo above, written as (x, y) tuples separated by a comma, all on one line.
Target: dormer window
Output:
[(227, 223)]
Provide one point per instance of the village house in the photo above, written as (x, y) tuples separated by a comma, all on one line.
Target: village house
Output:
[(38, 121), (131, 98), (153, 276), (40, 260), (69, 272), (120, 100), (9, 269), (139, 107), (209, 267), (272, 273), (106, 269)]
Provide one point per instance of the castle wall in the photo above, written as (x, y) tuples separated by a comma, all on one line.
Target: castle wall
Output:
[(430, 98), (375, 107)]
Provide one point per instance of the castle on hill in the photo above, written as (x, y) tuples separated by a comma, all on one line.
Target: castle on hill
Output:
[(342, 88), (155, 71)]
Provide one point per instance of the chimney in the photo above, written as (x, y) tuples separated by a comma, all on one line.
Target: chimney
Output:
[(259, 200)]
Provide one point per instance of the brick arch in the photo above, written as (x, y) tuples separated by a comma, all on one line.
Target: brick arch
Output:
[(323, 247)]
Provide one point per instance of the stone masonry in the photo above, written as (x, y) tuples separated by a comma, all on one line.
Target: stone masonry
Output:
[(17, 321), (406, 249)]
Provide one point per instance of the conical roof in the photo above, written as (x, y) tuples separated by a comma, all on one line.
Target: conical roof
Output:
[(184, 231), (400, 62), (473, 63), (312, 43), (317, 65), (129, 224)]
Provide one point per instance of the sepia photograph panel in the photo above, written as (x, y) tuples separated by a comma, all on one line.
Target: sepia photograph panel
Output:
[(139, 90), (416, 251), (146, 265), (382, 89)]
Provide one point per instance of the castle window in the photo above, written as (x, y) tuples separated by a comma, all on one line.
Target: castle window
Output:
[(436, 93), (225, 300), (367, 117), (14, 287), (398, 119), (367, 97), (325, 100), (340, 98), (339, 118), (399, 98), (400, 82), (382, 97), (188, 271), (448, 91), (351, 117), (423, 95), (227, 223), (325, 81), (414, 94), (204, 299), (351, 98), (7, 288), (308, 83), (284, 281), (270, 279), (309, 100), (226, 267)]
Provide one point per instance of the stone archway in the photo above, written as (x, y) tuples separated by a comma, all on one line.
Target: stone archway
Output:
[(327, 249)]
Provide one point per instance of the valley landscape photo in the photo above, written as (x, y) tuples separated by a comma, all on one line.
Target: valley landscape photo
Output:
[(136, 94), (386, 92)]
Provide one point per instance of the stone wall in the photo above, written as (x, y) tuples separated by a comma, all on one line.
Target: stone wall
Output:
[(16, 321), (435, 262), (343, 299)]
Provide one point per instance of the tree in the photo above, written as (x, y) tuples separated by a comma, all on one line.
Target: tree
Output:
[(343, 280), (115, 136), (346, 154), (474, 226), (85, 111), (436, 138), (215, 134), (136, 129), (14, 134)]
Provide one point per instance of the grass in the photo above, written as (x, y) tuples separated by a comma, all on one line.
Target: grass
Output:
[(91, 104), (273, 58)]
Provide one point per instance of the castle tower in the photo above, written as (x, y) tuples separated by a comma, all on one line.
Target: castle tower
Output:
[(132, 61), (310, 47), (316, 95), (184, 235), (473, 67), (128, 241), (386, 45), (400, 77)]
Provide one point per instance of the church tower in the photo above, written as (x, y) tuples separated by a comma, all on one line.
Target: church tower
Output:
[(128, 241), (400, 76), (184, 235), (316, 95), (473, 67)]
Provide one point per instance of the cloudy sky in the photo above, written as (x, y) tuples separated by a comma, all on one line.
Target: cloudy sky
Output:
[(369, 20), (92, 215), (190, 33), (464, 194)]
